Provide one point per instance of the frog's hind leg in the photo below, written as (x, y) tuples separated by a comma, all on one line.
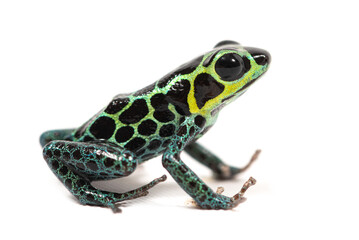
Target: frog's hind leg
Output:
[(220, 169), (58, 134), (76, 164)]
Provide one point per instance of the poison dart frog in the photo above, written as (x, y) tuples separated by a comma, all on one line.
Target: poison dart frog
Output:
[(165, 119)]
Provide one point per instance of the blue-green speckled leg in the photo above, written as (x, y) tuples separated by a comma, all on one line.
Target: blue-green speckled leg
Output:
[(188, 180), (76, 164), (58, 134), (220, 169)]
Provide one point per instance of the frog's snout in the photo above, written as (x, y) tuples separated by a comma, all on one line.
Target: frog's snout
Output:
[(261, 56)]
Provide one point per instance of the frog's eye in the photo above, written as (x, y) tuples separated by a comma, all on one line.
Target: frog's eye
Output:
[(230, 67)]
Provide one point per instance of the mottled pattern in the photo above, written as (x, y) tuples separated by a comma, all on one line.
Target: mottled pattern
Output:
[(165, 118), (70, 161)]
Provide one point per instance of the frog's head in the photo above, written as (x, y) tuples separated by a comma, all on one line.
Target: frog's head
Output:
[(224, 74)]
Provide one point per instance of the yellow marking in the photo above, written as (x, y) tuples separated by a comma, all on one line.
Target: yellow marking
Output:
[(229, 90)]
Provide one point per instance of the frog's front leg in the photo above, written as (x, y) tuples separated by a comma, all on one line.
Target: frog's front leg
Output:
[(187, 179), (220, 169), (76, 164)]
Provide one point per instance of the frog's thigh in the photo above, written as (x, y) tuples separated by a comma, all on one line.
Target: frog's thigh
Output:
[(58, 134), (77, 163), (94, 161)]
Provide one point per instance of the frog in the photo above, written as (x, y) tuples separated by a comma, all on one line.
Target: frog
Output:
[(163, 119)]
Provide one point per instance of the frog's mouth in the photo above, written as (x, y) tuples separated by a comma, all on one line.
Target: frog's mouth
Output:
[(239, 92), (233, 97)]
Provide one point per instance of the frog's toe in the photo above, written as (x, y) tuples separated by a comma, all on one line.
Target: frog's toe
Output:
[(238, 198)]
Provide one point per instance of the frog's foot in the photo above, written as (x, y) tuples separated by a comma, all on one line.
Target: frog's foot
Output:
[(108, 199), (238, 198), (133, 194), (228, 172), (224, 202), (227, 203)]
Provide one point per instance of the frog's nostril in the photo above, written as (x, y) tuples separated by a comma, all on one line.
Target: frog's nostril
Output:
[(262, 57)]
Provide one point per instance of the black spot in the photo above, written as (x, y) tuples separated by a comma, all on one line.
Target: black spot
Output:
[(117, 105), (135, 144), (200, 121), (55, 164), (160, 104), (147, 127), (123, 134), (135, 113), (159, 101), (109, 162), (167, 130), (204, 188), (166, 143), (177, 95), (57, 153), (68, 183), (206, 88), (77, 154), (181, 70), (191, 131), (164, 116), (103, 128), (90, 198), (81, 183), (182, 120), (192, 184), (92, 165), (66, 156), (202, 198), (154, 144), (64, 170), (182, 131), (179, 145), (145, 90)]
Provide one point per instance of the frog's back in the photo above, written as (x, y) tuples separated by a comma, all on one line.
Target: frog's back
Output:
[(144, 121)]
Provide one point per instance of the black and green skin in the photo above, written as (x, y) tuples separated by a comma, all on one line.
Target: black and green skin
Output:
[(165, 118)]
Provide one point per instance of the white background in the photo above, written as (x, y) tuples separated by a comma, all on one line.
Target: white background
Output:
[(62, 61)]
